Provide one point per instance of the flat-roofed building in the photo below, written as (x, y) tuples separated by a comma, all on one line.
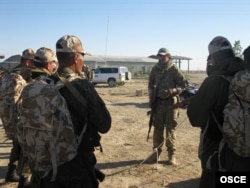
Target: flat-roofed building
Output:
[(135, 64), (140, 65)]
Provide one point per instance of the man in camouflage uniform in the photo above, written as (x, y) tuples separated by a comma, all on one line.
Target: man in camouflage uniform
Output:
[(80, 171), (209, 102), (44, 64), (26, 63), (166, 81), (27, 58)]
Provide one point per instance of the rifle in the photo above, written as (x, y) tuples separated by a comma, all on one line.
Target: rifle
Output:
[(151, 112)]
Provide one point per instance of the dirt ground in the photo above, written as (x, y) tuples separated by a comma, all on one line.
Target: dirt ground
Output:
[(125, 147)]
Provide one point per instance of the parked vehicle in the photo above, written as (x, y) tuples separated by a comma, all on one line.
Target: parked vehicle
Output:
[(111, 75)]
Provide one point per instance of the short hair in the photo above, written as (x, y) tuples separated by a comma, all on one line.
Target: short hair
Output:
[(65, 59), (39, 64)]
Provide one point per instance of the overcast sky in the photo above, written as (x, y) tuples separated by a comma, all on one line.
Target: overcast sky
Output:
[(125, 27)]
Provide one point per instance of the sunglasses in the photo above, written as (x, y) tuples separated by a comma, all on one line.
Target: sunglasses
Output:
[(83, 54)]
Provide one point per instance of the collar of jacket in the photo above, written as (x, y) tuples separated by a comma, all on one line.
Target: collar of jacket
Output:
[(165, 65), (40, 71), (68, 73)]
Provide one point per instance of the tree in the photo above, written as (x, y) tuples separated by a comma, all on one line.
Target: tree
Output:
[(237, 49)]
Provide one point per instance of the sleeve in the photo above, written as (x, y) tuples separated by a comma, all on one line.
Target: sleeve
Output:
[(180, 80), (151, 82), (179, 83), (151, 86), (98, 114), (203, 102)]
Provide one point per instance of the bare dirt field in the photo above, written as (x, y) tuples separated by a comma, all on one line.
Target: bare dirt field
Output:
[(125, 147)]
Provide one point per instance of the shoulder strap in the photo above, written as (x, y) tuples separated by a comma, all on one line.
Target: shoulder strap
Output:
[(217, 122), (73, 90), (79, 97)]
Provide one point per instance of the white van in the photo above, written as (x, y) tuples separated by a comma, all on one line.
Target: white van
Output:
[(111, 75)]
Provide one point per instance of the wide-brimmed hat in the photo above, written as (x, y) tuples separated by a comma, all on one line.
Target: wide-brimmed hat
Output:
[(44, 55), (28, 54), (163, 51)]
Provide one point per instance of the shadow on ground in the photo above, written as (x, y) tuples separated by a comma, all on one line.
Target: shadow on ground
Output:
[(118, 164), (138, 105), (192, 183)]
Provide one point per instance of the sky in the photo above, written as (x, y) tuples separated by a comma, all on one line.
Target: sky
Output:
[(125, 27)]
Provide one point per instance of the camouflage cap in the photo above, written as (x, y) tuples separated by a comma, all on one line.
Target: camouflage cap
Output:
[(28, 54), (163, 51), (219, 43), (70, 43), (44, 55)]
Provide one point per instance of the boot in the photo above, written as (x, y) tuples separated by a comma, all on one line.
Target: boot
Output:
[(11, 175), (171, 159), (23, 182), (153, 158)]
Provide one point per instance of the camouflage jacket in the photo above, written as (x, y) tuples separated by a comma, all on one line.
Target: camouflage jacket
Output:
[(95, 112), (212, 96), (165, 76)]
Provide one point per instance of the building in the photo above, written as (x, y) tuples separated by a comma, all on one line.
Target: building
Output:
[(141, 65), (136, 65)]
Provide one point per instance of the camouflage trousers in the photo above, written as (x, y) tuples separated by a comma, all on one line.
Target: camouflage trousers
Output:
[(18, 161), (23, 168), (165, 118)]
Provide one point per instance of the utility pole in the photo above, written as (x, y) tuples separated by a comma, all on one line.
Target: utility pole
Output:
[(106, 47)]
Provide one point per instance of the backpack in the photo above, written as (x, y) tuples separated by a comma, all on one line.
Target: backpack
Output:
[(10, 90), (236, 124), (45, 129)]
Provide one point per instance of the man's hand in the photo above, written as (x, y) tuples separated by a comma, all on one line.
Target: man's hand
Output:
[(182, 103), (175, 91)]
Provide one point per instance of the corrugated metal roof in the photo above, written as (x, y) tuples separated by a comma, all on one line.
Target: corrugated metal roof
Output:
[(152, 58), (100, 58), (173, 57)]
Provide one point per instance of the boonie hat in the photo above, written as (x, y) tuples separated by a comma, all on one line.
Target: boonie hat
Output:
[(70, 43), (219, 43), (28, 54), (44, 55), (163, 51)]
